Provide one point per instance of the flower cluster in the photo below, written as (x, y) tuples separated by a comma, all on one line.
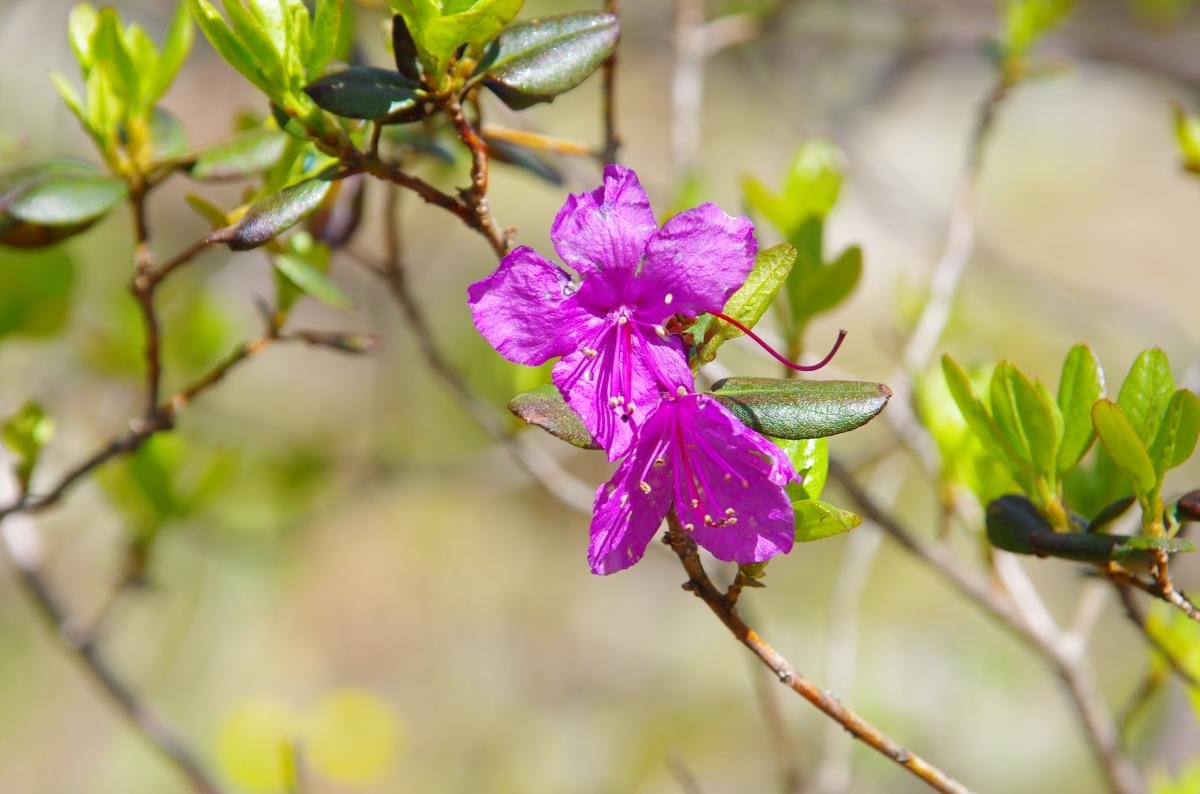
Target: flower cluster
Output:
[(629, 379)]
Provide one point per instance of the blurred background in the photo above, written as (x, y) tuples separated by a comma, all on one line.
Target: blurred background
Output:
[(338, 523)]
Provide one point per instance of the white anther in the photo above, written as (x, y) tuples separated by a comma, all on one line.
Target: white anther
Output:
[(645, 486), (669, 297)]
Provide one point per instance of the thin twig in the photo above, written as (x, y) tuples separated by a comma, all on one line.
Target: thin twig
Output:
[(1154, 588), (612, 141), (534, 460), (476, 195), (1022, 617), (22, 544), (703, 588), (1138, 618)]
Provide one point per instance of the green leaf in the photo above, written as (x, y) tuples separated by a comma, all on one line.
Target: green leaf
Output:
[(1028, 417), (326, 29), (246, 155), (271, 16), (43, 203), (228, 46), (1123, 444), (25, 433), (810, 188), (269, 217), (1026, 21), (977, 417), (1145, 393), (1187, 135), (1079, 387), (35, 291), (81, 25), (828, 286), (545, 407), (816, 520), (363, 92), (810, 459), (750, 302), (536, 61), (797, 409), (439, 28), (176, 46), (259, 43), (1177, 434), (311, 281), (115, 61)]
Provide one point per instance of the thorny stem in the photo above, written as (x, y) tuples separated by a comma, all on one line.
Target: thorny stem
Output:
[(702, 587), (1067, 662)]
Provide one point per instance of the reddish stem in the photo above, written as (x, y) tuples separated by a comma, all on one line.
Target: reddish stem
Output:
[(779, 356)]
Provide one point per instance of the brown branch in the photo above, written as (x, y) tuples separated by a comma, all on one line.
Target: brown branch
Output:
[(476, 195), (22, 546), (395, 277), (1099, 728), (1138, 618), (612, 141), (1172, 596), (702, 587)]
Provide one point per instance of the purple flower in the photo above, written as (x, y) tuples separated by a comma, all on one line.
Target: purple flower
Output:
[(724, 481), (608, 325)]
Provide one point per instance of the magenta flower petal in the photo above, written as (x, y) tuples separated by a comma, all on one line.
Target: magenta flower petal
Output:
[(604, 233), (616, 379), (725, 482), (699, 258), (527, 309), (626, 516), (735, 505)]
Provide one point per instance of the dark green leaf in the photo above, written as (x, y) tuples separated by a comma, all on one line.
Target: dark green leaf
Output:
[(341, 212), (1123, 444), (1145, 393), (405, 50), (43, 203), (816, 520), (508, 152), (1014, 524), (545, 407), (750, 302), (795, 409), (269, 217), (1178, 432), (246, 155), (536, 61), (363, 92), (1080, 385), (1110, 513)]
